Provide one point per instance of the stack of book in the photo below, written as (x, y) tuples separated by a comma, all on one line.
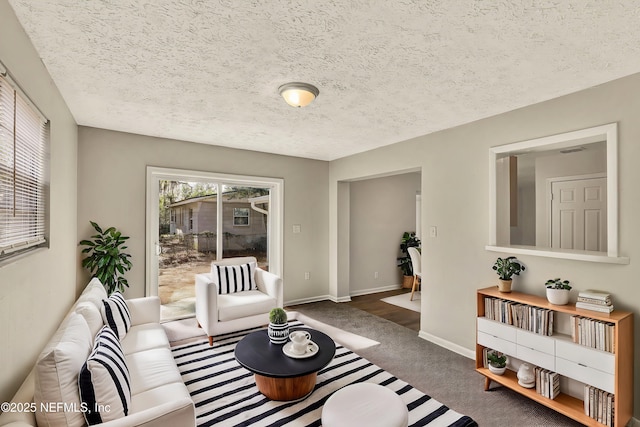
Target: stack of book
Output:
[(547, 382), (599, 405), (595, 300)]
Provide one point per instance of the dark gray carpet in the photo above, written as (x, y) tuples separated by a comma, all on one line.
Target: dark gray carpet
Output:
[(446, 376)]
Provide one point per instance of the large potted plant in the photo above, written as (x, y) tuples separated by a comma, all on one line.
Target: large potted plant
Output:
[(408, 240), (106, 258), (558, 291), (506, 268)]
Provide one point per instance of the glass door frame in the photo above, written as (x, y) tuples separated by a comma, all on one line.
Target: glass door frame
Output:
[(275, 219)]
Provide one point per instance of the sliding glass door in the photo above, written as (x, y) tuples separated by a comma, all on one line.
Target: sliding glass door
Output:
[(195, 218)]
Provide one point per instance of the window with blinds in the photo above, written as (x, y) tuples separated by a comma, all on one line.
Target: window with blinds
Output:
[(24, 139)]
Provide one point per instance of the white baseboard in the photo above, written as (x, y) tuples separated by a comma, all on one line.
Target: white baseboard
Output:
[(316, 299), (342, 299), (375, 290), (447, 344)]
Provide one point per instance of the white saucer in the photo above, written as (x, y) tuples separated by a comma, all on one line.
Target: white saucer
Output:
[(312, 350)]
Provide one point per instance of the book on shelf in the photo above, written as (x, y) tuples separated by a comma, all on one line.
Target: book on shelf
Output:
[(594, 307), (599, 404), (597, 295), (594, 301), (593, 333)]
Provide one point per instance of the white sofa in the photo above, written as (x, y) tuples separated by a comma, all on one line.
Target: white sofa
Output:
[(219, 314), (158, 395)]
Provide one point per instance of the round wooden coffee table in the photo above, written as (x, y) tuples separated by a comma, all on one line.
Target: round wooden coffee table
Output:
[(278, 376)]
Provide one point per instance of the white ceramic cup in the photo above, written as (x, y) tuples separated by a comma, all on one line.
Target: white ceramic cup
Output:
[(300, 341)]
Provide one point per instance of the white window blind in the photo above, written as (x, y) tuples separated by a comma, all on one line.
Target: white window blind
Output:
[(24, 136)]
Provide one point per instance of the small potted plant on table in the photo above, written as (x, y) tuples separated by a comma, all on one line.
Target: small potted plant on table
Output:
[(506, 268), (278, 330), (497, 362), (558, 291)]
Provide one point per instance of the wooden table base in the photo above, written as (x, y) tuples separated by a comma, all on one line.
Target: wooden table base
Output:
[(286, 388)]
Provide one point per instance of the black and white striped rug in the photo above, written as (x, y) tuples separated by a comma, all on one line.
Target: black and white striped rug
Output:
[(225, 393)]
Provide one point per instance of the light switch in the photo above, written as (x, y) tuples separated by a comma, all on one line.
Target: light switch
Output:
[(433, 231), (296, 228)]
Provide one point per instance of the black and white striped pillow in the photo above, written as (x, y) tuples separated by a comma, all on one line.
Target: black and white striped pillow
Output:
[(234, 278), (116, 315), (104, 381)]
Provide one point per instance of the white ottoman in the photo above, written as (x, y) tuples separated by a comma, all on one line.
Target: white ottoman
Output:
[(364, 404)]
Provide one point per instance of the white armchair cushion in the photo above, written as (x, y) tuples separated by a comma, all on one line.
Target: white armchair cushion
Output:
[(56, 373), (104, 380), (116, 314), (244, 304), (234, 278)]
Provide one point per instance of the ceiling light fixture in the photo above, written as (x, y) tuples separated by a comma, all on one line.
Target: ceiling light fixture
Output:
[(298, 94)]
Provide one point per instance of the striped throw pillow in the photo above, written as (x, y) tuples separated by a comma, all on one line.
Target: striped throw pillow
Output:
[(116, 315), (104, 381), (234, 278)]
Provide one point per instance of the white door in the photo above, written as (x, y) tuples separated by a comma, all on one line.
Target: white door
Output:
[(579, 214)]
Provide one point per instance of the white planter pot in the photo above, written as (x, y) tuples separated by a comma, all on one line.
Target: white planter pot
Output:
[(558, 296), (497, 371), (278, 334)]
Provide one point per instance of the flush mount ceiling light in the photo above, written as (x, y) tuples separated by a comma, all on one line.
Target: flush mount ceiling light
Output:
[(298, 94)]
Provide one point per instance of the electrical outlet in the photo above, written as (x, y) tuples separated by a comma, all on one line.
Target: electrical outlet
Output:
[(307, 275)]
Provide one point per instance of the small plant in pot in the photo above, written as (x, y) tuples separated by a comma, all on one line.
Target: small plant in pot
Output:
[(278, 330), (506, 268), (558, 291), (497, 362)]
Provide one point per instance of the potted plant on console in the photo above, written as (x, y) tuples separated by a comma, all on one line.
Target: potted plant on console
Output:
[(497, 362), (106, 258), (558, 291), (506, 268), (278, 330)]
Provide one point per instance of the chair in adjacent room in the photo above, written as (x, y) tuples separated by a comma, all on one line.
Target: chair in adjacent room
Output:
[(416, 265), (236, 295)]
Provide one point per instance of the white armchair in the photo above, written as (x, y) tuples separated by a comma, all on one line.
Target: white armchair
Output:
[(221, 313)]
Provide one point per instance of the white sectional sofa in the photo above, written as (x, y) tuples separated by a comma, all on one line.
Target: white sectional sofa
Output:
[(158, 395)]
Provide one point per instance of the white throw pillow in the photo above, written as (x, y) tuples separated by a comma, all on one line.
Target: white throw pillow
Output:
[(104, 380), (116, 315), (234, 278), (94, 292), (56, 374), (92, 315)]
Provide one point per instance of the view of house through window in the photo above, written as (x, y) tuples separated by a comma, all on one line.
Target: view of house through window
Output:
[(197, 222)]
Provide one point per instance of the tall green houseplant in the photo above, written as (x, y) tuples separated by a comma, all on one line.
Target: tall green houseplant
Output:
[(409, 240), (106, 258)]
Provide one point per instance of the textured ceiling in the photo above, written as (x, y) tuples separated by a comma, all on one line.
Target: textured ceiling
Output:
[(209, 71)]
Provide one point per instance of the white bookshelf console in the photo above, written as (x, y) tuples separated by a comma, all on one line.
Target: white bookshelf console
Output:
[(611, 372)]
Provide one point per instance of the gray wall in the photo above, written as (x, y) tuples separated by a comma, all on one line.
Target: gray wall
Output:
[(112, 191), (38, 289), (455, 196), (381, 210)]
